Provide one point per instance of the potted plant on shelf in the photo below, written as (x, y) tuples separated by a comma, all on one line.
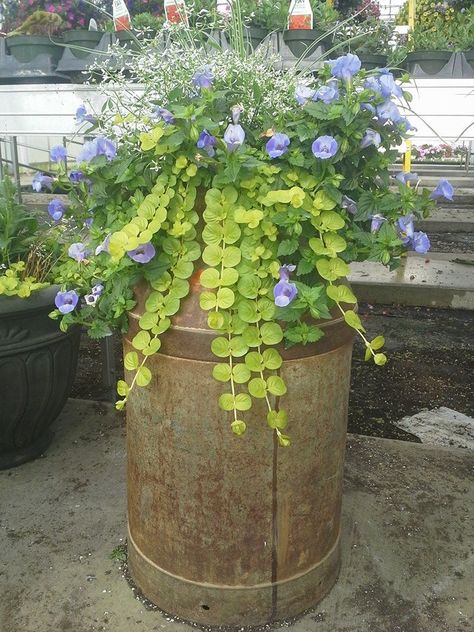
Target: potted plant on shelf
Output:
[(373, 42), (227, 201), (263, 17), (37, 35), (37, 360), (430, 49), (303, 42)]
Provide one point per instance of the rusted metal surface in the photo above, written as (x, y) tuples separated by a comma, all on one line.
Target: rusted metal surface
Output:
[(226, 529)]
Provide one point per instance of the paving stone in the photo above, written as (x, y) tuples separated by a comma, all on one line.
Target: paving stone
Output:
[(441, 426)]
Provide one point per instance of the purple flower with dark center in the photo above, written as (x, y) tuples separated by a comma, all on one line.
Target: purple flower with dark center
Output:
[(40, 181), (349, 204), (97, 289), (76, 176), (83, 117), (203, 78), (56, 209), (162, 114), (58, 153), (104, 246), (327, 94), (388, 86), (284, 291), (345, 67), (234, 137), (444, 189), (142, 254), (371, 137), (377, 221), (303, 94), (405, 178), (420, 242), (388, 111), (207, 142), (66, 301), (324, 147), (78, 251), (277, 145), (98, 147), (405, 228), (91, 299)]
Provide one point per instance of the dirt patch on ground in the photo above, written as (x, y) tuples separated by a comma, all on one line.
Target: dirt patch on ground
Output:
[(431, 364)]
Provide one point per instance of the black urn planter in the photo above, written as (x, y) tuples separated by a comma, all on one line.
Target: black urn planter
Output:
[(81, 42), (26, 48), (430, 61), (371, 62), (300, 40), (37, 369)]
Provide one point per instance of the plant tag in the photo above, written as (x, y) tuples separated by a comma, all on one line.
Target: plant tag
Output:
[(121, 16), (175, 12), (300, 15)]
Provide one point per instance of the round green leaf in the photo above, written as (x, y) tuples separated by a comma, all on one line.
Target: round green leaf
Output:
[(179, 288), (353, 320), (251, 337), (220, 347), (254, 361), (266, 308), (276, 385), (380, 359), (249, 285), (257, 387), (212, 255), (229, 276), (148, 320), (130, 361), (238, 427), (154, 302), (247, 311), (207, 300), (243, 401), (238, 347), (283, 440), (183, 269), (153, 347), (122, 388), (221, 372), (143, 377), (215, 320), (277, 419), (212, 234), (271, 333), (377, 343), (231, 256), (171, 305), (225, 298), (332, 269), (241, 373), (226, 401), (210, 278), (272, 359), (231, 232), (141, 340)]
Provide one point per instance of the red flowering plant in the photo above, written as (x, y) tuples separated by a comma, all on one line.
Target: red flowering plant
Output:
[(75, 13)]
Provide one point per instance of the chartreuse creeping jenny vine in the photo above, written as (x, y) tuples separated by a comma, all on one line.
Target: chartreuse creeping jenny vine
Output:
[(267, 184)]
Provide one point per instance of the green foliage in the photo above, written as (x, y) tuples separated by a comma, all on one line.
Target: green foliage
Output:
[(41, 23), (18, 226)]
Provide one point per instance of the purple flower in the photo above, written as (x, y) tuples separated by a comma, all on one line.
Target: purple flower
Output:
[(104, 246), (388, 86), (97, 289), (345, 67), (303, 93), (56, 209), (91, 299), (82, 116), (405, 228), (377, 221), (76, 176), (388, 111), (58, 153), (234, 137), (349, 204), (40, 180), (162, 114), (405, 124), (420, 242), (368, 107), (284, 291), (371, 137), (203, 78), (142, 254), (98, 147), (66, 301), (207, 142), (444, 189), (372, 83), (405, 178), (78, 251), (324, 147), (277, 145), (327, 94)]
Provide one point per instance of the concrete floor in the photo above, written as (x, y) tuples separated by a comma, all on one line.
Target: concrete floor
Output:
[(408, 541)]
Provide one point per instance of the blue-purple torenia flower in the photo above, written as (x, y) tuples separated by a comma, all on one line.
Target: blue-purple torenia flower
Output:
[(420, 242), (284, 291), (142, 254), (345, 67), (162, 114), (234, 137), (324, 147), (58, 153), (388, 111), (92, 298), (371, 137), (82, 116), (444, 189), (98, 147), (388, 86), (377, 221), (277, 145), (203, 78), (349, 204), (406, 228), (66, 301), (372, 83), (328, 93), (56, 209), (104, 246), (406, 177), (207, 142), (97, 289), (368, 107), (406, 125), (303, 93), (76, 176), (78, 251), (40, 181)]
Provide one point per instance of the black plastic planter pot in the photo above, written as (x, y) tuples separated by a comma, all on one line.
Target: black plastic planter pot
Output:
[(430, 62), (26, 48), (469, 56), (371, 62), (299, 40), (254, 36), (37, 368), (82, 43)]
